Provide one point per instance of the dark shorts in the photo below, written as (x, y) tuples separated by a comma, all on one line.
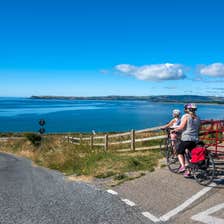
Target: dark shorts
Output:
[(185, 145)]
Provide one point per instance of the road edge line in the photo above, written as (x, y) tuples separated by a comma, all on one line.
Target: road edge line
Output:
[(151, 216), (184, 205)]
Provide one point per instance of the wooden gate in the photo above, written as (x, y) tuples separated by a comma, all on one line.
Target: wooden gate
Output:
[(212, 133)]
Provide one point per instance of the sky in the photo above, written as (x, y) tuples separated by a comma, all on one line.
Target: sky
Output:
[(111, 47)]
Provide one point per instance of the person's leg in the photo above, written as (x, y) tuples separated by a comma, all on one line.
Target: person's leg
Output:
[(187, 172), (173, 138), (181, 160), (186, 155), (180, 152), (190, 145)]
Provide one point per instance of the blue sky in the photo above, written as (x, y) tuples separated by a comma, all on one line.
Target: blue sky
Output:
[(114, 47)]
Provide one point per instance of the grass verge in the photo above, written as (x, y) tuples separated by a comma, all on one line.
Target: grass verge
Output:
[(55, 153)]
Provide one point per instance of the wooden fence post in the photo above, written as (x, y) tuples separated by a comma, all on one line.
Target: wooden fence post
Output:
[(133, 140), (91, 142), (80, 142), (106, 142)]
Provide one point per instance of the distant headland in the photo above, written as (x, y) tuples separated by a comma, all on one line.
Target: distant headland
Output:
[(161, 98)]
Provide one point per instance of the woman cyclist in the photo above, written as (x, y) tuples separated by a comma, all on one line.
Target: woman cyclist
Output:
[(174, 123), (190, 125)]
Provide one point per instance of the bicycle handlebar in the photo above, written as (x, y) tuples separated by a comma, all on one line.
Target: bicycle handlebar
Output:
[(167, 129)]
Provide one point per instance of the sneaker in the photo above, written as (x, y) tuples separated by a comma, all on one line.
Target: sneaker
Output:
[(181, 169), (187, 174)]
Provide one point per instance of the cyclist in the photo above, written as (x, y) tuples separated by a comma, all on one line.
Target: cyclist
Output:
[(175, 122), (190, 125)]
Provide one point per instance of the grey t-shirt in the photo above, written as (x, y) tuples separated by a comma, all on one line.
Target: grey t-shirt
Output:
[(191, 130)]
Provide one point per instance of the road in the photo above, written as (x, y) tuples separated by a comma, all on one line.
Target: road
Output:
[(164, 197), (31, 195)]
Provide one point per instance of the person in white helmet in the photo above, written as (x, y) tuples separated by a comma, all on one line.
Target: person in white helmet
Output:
[(174, 123)]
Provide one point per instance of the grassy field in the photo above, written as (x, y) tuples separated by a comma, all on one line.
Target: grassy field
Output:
[(55, 152)]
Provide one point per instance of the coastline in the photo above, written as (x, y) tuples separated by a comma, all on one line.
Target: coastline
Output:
[(177, 99), (61, 116)]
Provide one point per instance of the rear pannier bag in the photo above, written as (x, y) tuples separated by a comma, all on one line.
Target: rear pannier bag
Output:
[(197, 154)]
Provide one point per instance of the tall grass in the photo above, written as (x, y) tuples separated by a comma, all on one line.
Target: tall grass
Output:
[(55, 153)]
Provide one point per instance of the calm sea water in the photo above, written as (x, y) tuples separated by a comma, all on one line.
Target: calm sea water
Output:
[(23, 114)]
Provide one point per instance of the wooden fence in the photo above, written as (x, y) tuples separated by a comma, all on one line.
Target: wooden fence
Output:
[(144, 139), (125, 141)]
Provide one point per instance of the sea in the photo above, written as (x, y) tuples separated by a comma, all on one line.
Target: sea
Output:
[(68, 116)]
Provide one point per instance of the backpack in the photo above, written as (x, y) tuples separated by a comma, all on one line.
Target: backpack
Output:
[(198, 154)]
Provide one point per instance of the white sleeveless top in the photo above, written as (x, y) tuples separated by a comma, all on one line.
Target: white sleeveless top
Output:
[(176, 123)]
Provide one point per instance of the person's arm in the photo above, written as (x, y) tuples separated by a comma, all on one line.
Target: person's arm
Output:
[(182, 124), (169, 124)]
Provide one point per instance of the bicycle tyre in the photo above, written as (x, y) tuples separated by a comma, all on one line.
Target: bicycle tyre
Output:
[(171, 159), (204, 176)]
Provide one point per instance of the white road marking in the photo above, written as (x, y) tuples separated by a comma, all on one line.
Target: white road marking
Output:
[(184, 205), (128, 202), (112, 192), (205, 216), (151, 217), (176, 210)]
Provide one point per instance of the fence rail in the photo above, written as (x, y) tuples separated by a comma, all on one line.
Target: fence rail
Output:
[(134, 139), (130, 139)]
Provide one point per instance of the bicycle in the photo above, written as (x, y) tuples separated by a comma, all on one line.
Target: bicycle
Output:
[(203, 171), (167, 142)]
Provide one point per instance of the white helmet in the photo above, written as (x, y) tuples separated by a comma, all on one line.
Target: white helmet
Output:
[(176, 112)]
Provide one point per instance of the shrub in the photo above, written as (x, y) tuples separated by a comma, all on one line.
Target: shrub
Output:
[(34, 138)]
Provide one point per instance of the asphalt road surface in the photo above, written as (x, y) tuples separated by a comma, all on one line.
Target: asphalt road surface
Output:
[(164, 197), (31, 195)]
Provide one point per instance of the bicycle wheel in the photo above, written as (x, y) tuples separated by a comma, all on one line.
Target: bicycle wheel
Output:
[(163, 146), (205, 173), (171, 159)]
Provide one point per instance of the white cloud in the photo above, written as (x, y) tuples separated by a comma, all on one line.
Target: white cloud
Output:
[(153, 72), (214, 70), (125, 68)]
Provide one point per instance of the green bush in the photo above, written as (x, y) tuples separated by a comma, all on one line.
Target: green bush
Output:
[(34, 138)]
